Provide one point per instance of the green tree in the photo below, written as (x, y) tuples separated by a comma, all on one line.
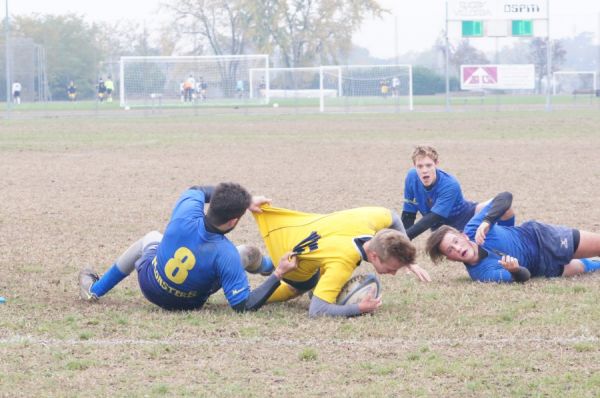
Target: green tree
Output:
[(307, 32), (72, 50), (301, 32)]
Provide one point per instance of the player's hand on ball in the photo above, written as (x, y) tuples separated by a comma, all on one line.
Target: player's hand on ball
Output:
[(369, 304), (421, 273), (288, 262), (509, 263), (258, 201), (481, 233)]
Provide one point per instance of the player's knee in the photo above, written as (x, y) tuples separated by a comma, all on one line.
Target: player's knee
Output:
[(152, 237), (251, 258)]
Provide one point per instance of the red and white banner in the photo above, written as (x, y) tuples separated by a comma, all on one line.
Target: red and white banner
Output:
[(497, 77)]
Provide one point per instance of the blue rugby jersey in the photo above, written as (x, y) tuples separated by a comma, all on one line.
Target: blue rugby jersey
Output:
[(445, 198), (500, 240), (192, 263)]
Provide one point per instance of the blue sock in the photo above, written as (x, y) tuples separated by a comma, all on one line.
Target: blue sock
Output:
[(507, 223), (108, 281), (590, 265), (266, 265)]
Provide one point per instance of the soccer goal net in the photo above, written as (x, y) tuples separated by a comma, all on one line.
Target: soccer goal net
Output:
[(574, 82), (372, 88), (184, 80), (337, 87)]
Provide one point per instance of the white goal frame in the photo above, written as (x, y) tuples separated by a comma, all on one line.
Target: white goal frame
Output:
[(323, 93), (262, 59), (583, 72)]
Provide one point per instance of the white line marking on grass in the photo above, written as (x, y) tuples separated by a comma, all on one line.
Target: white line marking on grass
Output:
[(225, 341)]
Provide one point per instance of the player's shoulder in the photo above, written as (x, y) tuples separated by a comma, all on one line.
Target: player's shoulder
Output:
[(412, 174), (446, 179)]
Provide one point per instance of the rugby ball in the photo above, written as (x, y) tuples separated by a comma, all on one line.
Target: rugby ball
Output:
[(358, 287)]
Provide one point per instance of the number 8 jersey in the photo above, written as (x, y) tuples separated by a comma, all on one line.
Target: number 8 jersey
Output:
[(192, 263)]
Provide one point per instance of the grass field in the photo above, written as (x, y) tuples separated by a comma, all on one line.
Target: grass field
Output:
[(78, 191)]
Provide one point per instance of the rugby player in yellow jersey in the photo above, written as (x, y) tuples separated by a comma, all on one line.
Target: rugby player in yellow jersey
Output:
[(329, 247)]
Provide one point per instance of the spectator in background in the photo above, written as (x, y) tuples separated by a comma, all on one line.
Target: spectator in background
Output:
[(239, 88), (188, 88), (110, 87), (395, 86), (101, 90), (16, 92), (72, 91)]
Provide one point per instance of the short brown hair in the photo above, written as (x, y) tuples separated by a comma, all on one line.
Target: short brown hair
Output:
[(432, 247), (391, 243), (423, 151)]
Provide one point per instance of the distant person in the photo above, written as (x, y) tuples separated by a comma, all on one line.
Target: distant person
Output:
[(16, 92), (239, 88), (101, 90), (203, 89), (72, 91), (188, 87), (182, 91), (262, 88), (384, 88), (395, 86), (110, 88)]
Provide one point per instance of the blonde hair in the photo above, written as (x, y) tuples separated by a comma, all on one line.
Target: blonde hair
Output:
[(424, 151), (391, 243)]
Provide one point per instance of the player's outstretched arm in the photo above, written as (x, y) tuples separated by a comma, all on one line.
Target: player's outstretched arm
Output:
[(421, 273), (260, 295)]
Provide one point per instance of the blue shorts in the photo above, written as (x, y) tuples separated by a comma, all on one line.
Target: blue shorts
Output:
[(555, 247), (154, 293)]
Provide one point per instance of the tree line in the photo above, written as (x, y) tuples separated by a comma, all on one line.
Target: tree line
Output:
[(294, 33)]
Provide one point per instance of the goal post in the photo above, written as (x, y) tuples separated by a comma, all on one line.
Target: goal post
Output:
[(334, 87), (184, 80), (373, 87), (574, 82)]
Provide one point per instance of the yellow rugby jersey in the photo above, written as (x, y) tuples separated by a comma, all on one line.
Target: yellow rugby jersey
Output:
[(336, 252)]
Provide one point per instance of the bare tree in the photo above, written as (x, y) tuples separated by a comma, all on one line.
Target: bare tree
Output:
[(538, 56)]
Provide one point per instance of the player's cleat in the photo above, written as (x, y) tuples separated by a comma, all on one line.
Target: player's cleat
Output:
[(87, 278), (251, 258)]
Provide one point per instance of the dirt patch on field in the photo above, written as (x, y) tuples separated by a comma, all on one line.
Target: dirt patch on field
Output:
[(80, 191)]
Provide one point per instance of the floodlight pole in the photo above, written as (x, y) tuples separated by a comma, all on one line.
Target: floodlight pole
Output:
[(447, 51), (8, 82), (548, 59)]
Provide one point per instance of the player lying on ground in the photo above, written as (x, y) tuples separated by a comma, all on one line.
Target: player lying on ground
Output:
[(496, 253), (437, 196), (194, 259), (329, 247)]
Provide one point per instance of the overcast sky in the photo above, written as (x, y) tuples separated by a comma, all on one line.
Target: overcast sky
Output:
[(418, 22)]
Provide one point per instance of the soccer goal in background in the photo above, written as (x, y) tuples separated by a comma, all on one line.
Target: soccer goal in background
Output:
[(574, 83), (189, 80), (346, 88)]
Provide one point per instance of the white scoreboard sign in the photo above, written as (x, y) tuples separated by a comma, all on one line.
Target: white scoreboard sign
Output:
[(497, 77), (461, 10)]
